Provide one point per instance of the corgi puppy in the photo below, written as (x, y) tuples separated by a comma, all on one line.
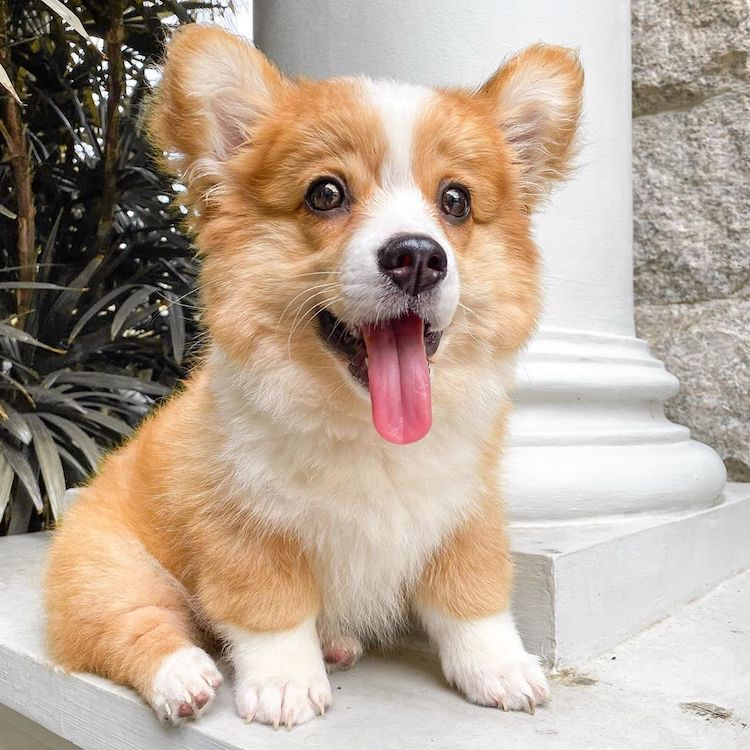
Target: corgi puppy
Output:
[(331, 467)]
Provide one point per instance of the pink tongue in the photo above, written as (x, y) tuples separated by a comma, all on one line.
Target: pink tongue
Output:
[(399, 379)]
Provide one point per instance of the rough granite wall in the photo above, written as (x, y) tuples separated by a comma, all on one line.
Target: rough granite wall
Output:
[(691, 144)]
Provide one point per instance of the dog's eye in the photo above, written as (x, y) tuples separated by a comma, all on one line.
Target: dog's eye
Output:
[(454, 202), (325, 195)]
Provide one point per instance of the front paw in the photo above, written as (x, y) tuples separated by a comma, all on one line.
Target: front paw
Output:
[(280, 678), (513, 682), (184, 686), (285, 700), (486, 661)]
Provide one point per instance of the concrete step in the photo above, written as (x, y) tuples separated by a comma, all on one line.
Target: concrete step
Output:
[(684, 683)]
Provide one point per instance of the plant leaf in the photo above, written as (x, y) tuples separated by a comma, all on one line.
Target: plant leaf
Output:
[(176, 326), (17, 334), (24, 472), (6, 483), (6, 211), (7, 84), (135, 300), (15, 423), (21, 510), (45, 259), (78, 437), (73, 462), (109, 381), (49, 463), (18, 386), (68, 16), (94, 309), (110, 422), (59, 313), (31, 285), (54, 397)]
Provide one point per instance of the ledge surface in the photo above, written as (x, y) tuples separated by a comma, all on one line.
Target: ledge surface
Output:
[(581, 588), (656, 690)]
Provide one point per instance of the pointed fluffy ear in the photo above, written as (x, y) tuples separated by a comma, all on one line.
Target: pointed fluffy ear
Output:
[(536, 97), (214, 88)]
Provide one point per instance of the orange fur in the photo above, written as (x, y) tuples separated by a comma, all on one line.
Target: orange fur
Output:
[(165, 543), (148, 541), (471, 575)]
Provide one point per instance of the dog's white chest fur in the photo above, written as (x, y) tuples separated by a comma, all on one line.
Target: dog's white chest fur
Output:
[(370, 514)]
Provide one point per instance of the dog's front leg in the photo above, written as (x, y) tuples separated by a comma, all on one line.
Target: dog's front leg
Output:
[(263, 601), (463, 602)]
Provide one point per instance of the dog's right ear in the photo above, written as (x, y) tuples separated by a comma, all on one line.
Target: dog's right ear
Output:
[(214, 88)]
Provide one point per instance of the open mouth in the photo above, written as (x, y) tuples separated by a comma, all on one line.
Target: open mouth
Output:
[(391, 359)]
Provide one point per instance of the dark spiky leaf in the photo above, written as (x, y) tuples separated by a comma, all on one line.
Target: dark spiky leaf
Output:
[(7, 476), (176, 326), (15, 423), (24, 472), (76, 436), (49, 462), (16, 334), (111, 381), (133, 302)]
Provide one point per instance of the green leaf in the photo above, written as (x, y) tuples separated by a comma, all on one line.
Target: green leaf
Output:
[(49, 463), (17, 334), (77, 436), (24, 472)]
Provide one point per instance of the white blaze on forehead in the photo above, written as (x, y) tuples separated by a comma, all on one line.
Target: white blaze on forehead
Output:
[(400, 105), (397, 206)]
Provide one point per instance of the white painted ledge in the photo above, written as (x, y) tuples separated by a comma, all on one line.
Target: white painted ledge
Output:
[(631, 697), (583, 587)]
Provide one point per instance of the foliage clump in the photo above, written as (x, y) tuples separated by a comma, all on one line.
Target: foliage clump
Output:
[(98, 304)]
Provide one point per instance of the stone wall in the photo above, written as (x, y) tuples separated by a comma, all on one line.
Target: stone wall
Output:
[(691, 159)]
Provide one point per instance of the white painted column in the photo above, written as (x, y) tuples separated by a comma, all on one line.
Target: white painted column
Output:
[(589, 436)]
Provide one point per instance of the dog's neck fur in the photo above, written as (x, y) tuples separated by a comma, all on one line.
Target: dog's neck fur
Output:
[(369, 513)]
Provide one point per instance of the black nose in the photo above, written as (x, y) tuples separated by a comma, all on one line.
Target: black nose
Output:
[(414, 263)]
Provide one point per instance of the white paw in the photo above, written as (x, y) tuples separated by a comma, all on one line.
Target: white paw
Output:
[(341, 651), (283, 702), (486, 661), (185, 685), (513, 683), (280, 678)]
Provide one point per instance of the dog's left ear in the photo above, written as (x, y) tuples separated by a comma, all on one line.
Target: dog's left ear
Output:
[(536, 99)]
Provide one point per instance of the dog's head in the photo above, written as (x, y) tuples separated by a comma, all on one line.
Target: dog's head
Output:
[(365, 234)]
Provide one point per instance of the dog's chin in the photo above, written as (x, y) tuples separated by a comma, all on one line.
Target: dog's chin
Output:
[(348, 344)]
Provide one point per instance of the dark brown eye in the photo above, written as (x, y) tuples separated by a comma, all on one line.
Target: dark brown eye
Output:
[(325, 195), (454, 202)]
